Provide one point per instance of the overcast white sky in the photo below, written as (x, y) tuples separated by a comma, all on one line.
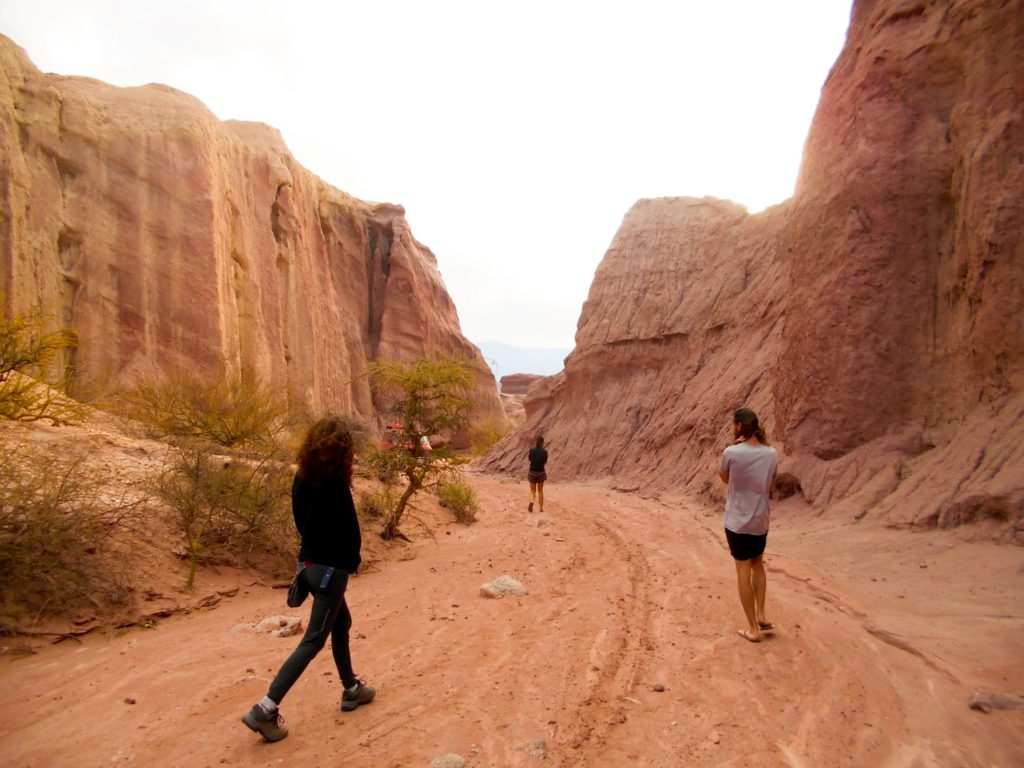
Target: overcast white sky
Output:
[(516, 135)]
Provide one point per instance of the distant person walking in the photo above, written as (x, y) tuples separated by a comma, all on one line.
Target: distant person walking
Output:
[(749, 467), (537, 475), (325, 518)]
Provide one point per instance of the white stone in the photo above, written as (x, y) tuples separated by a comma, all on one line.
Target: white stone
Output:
[(451, 760), (277, 626), (502, 586)]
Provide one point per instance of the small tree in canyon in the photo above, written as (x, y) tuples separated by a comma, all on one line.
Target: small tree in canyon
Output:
[(421, 399)]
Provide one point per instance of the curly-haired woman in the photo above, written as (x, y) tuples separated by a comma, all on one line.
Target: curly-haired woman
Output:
[(325, 518)]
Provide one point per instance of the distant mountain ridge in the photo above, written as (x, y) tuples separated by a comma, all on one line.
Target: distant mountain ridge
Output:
[(504, 359)]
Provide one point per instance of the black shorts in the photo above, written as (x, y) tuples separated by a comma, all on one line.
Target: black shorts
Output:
[(537, 477), (745, 546)]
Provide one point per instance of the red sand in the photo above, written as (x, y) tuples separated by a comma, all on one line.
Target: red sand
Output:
[(882, 636)]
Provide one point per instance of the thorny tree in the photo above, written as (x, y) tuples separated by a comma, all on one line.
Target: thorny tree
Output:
[(422, 399)]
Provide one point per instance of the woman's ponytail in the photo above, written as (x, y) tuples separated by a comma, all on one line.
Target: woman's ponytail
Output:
[(749, 426)]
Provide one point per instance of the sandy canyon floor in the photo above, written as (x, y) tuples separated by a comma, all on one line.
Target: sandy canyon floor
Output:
[(882, 636)]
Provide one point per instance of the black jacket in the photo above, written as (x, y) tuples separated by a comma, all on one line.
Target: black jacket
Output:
[(538, 459), (325, 518)]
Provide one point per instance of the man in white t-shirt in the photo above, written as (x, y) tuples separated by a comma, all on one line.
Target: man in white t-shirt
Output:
[(749, 467)]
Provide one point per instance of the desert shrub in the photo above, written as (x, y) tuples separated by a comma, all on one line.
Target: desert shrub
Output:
[(242, 415), (27, 353), (61, 540), (23, 398), (374, 506), (460, 498), (229, 506), (482, 435)]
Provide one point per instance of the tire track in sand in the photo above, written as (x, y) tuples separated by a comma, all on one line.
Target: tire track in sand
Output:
[(617, 653)]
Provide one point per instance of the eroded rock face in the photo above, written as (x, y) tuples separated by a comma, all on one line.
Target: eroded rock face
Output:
[(517, 383), (680, 323), (513, 393), (904, 242), (514, 410), (900, 380), (875, 320), (170, 239)]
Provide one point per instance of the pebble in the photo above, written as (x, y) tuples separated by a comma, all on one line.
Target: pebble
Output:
[(659, 688), (538, 749)]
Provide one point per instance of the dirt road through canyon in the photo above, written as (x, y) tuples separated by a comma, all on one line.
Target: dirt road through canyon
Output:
[(881, 638)]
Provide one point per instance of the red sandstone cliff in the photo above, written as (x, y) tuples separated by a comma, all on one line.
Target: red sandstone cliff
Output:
[(171, 239), (876, 320), (681, 321)]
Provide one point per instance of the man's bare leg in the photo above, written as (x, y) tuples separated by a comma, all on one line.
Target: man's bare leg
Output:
[(758, 581), (540, 495), (746, 589)]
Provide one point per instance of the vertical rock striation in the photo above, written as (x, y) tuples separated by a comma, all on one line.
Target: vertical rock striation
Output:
[(876, 319), (172, 240)]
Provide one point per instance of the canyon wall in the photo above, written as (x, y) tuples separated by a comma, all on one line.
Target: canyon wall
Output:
[(679, 298), (172, 240), (875, 320), (513, 393)]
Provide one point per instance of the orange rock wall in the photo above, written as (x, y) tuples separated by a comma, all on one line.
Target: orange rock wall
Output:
[(875, 320), (170, 239)]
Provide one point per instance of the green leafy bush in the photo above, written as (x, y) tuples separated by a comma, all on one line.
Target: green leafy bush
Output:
[(482, 435), (460, 498)]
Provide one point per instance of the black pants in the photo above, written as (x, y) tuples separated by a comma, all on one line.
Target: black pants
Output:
[(330, 616)]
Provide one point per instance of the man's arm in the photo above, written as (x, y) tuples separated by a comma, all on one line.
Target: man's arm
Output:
[(724, 474)]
